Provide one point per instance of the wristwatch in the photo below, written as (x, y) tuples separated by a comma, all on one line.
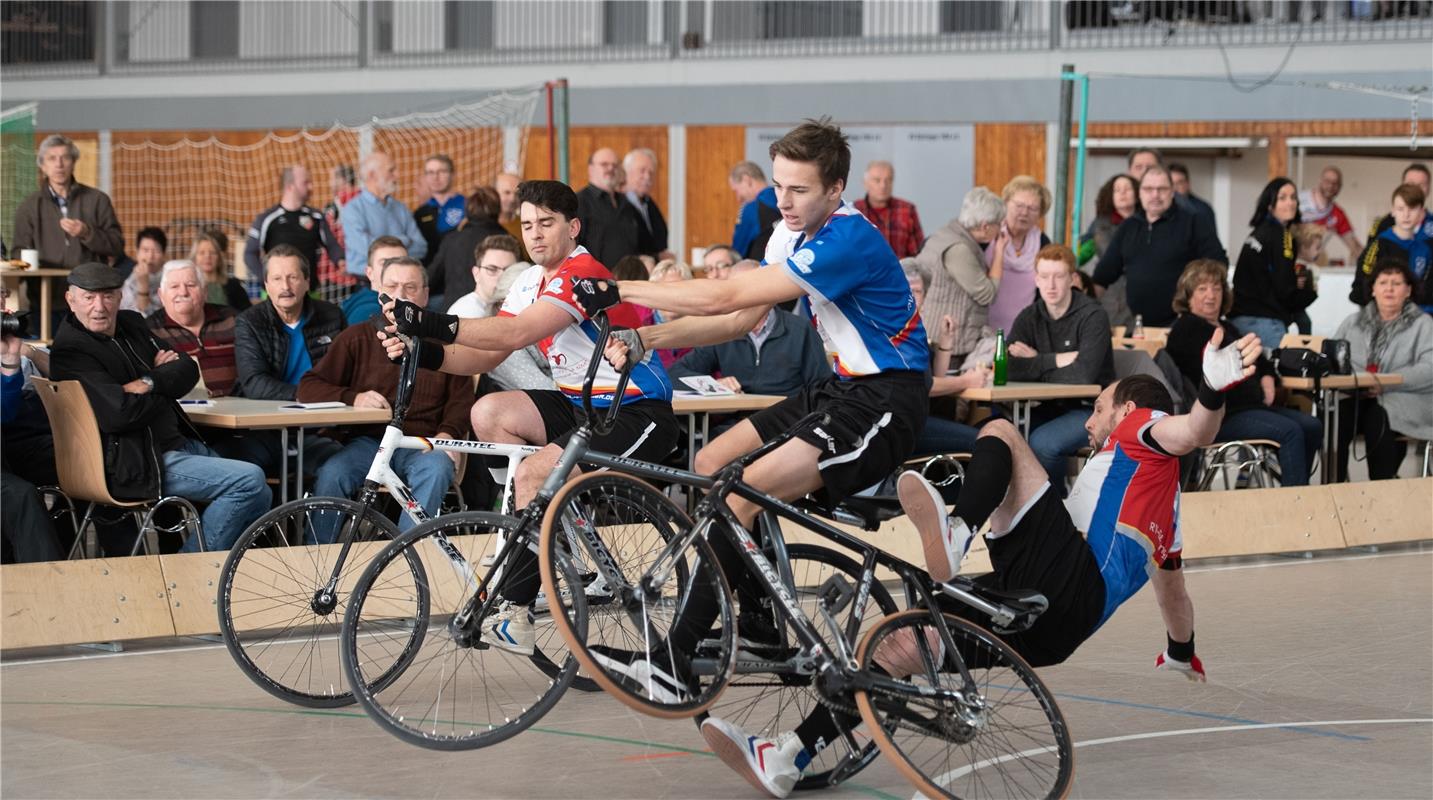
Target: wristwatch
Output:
[(148, 381)]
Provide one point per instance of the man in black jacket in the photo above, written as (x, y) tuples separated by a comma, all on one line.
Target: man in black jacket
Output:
[(133, 384), (611, 227), (1151, 248), (1062, 337), (275, 343)]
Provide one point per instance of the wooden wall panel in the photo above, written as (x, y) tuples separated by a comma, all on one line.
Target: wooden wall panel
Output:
[(1324, 127), (1003, 151), (583, 140), (712, 150)]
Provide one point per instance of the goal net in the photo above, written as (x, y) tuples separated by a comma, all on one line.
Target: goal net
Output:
[(188, 186), (17, 164)]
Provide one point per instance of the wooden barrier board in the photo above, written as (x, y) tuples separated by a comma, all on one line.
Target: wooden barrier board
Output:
[(1253, 521), (1380, 512), (73, 602)]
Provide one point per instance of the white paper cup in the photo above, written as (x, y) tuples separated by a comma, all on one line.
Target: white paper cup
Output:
[(31, 258)]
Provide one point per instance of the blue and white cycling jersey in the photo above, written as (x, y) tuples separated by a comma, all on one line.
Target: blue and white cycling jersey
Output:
[(859, 297)]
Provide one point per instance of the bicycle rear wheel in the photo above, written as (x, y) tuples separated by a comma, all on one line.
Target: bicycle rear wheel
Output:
[(767, 704), (457, 692), (275, 624), (1008, 740), (605, 530)]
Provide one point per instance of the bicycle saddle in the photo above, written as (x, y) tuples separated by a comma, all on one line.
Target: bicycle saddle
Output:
[(1024, 605), (867, 512)]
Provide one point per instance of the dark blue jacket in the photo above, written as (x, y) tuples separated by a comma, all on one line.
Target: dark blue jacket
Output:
[(791, 357)]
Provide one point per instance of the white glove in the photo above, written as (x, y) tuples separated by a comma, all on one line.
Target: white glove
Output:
[(1223, 366)]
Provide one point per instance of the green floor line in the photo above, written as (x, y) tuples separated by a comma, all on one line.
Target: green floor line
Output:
[(323, 712)]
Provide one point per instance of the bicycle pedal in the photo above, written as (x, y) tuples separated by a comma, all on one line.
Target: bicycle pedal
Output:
[(835, 594)]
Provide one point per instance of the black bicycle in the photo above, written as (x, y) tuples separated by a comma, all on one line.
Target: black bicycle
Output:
[(959, 711)]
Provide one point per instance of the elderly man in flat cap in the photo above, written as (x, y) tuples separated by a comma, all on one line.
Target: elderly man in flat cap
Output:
[(134, 383)]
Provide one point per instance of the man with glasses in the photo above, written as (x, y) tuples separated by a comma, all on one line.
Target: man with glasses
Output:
[(717, 262), (1151, 248)]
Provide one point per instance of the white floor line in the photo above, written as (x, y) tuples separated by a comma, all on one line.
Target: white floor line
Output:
[(957, 773)]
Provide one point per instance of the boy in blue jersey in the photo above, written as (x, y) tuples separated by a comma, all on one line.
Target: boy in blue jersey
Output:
[(852, 286)]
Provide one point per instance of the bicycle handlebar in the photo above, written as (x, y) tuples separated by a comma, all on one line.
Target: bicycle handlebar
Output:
[(407, 377), (601, 425)]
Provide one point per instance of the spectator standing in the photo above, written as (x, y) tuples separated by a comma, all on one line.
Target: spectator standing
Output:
[(375, 212), (1151, 249), (952, 262), (1142, 159), (1116, 202), (444, 210), (1179, 178), (450, 273), (1012, 253), (640, 166), (203, 331), (363, 303), (1269, 291), (781, 355), (278, 340), (150, 447), (1390, 334), (758, 215), (1201, 300), (356, 370), (1062, 337), (343, 185), (1416, 174), (611, 226), (220, 287), (1410, 237), (1317, 207), (895, 218), (291, 222), (141, 288), (68, 222)]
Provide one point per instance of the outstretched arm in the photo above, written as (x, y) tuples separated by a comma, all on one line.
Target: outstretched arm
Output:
[(763, 287), (1187, 432), (1178, 612)]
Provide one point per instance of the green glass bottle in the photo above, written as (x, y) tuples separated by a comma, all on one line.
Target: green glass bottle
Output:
[(998, 365)]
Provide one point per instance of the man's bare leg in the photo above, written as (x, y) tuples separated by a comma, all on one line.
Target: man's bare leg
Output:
[(509, 418)]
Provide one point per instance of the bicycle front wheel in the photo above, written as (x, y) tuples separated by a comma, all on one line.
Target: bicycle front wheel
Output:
[(455, 692), (600, 536), (276, 623), (1005, 738)]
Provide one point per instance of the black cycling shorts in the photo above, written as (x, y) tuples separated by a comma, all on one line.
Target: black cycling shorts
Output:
[(646, 430)]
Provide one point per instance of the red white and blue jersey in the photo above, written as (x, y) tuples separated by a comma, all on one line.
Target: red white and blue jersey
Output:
[(569, 351), (1126, 500), (859, 297)]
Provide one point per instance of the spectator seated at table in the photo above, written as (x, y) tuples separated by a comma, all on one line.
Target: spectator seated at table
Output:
[(669, 271), (1269, 290), (941, 433), (276, 342), (779, 356), (363, 303), (1063, 337), (24, 524), (1391, 334), (203, 331), (357, 371), (453, 271), (220, 285), (1202, 299), (150, 447)]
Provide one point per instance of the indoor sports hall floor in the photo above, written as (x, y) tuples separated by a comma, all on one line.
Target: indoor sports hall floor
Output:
[(1320, 686)]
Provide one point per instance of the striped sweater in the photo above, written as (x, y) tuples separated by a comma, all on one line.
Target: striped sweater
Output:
[(212, 349)]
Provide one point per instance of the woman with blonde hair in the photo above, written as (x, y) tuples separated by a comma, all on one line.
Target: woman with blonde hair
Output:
[(669, 271), (1026, 203), (221, 288)]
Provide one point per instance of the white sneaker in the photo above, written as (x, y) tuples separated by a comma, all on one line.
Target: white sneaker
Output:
[(510, 628), (659, 681), (944, 539), (767, 764)]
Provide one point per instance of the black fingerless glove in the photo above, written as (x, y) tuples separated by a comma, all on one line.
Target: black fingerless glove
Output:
[(414, 321), (595, 295)]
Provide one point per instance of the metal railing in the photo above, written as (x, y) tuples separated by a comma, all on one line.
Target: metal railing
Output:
[(61, 38)]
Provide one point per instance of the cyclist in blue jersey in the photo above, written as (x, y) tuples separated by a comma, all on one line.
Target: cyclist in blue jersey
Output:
[(852, 286)]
